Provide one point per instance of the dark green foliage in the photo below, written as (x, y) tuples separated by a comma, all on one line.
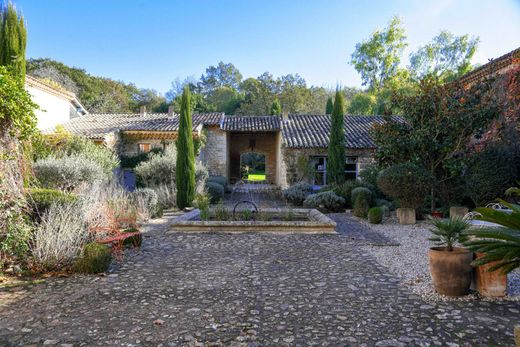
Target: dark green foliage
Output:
[(95, 258), (326, 200), (490, 173), (406, 183), (367, 194), (330, 106), (368, 177), (449, 231), (41, 199), (132, 161), (336, 150), (215, 191), (345, 190), (375, 215), (276, 108), (499, 244), (223, 181), (13, 40), (362, 198), (185, 167), (297, 193)]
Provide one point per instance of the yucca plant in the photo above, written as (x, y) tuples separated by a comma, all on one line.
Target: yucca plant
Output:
[(502, 244), (448, 232)]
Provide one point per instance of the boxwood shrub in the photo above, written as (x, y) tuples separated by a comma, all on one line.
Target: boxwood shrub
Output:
[(215, 191), (95, 258), (375, 215), (41, 199)]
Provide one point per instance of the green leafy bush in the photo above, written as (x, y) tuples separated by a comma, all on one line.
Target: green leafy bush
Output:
[(68, 172), (345, 191), (490, 173), (223, 181), (365, 192), (375, 215), (326, 200), (368, 178), (40, 199), (297, 193), (406, 183), (133, 161), (362, 200), (95, 258), (216, 191), (202, 202)]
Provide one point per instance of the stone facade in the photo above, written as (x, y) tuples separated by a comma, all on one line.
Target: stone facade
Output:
[(289, 172), (215, 153)]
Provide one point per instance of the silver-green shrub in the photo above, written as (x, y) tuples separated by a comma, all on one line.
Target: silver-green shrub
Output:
[(325, 200), (68, 172), (297, 193)]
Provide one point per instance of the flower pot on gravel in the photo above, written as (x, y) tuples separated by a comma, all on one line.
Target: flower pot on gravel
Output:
[(437, 214), (451, 270), (458, 211), (491, 284), (406, 216)]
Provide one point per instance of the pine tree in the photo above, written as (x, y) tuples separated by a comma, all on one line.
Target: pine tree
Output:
[(330, 106), (276, 108), (185, 168), (336, 151), (13, 40)]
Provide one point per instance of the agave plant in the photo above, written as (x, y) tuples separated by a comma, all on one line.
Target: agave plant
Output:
[(448, 232), (500, 245)]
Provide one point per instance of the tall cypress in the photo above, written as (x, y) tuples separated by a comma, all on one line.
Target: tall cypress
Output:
[(330, 106), (13, 40), (185, 168), (336, 151), (276, 108)]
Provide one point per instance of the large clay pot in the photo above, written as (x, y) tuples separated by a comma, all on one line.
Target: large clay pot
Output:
[(490, 284), (451, 271)]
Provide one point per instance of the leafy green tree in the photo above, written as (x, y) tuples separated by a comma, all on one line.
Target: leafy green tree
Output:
[(437, 124), (363, 104), (276, 108), (185, 166), (257, 97), (222, 75), (294, 94), (336, 150), (447, 57), (377, 59), (13, 40), (224, 99), (329, 107)]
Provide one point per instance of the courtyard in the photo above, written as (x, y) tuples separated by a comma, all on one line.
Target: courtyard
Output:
[(247, 290)]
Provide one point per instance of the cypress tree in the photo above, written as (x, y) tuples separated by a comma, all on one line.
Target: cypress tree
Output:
[(276, 108), (13, 40), (330, 106), (336, 151), (185, 168)]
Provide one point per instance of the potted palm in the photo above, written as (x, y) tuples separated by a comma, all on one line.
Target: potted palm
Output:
[(497, 248), (450, 266)]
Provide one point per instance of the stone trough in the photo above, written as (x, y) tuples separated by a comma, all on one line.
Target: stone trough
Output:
[(308, 221)]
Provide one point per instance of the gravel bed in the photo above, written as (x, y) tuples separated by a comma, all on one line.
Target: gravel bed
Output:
[(409, 260)]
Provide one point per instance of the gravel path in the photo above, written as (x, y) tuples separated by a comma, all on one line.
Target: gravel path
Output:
[(408, 258), (247, 290)]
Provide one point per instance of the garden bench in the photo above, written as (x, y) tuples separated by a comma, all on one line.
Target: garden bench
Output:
[(117, 241)]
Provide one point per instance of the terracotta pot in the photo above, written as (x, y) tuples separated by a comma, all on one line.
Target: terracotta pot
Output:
[(491, 284), (437, 214), (451, 271)]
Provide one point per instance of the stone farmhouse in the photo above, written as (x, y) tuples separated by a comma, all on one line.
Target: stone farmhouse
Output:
[(283, 141)]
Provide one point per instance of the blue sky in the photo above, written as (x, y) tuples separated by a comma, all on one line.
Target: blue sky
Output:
[(151, 43)]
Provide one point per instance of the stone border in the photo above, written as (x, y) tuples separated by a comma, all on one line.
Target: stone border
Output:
[(318, 224)]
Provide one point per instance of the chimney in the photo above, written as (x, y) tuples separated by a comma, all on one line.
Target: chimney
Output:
[(170, 111), (285, 115), (142, 110)]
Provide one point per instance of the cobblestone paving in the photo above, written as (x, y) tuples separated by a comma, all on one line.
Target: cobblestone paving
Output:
[(250, 290)]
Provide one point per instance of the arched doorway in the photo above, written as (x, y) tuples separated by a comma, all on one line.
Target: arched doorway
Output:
[(252, 166)]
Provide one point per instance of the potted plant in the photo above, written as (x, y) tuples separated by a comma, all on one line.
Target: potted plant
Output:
[(497, 248), (450, 266), (437, 214)]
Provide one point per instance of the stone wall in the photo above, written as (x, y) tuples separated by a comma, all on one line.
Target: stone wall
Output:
[(289, 169), (215, 153), (131, 148)]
